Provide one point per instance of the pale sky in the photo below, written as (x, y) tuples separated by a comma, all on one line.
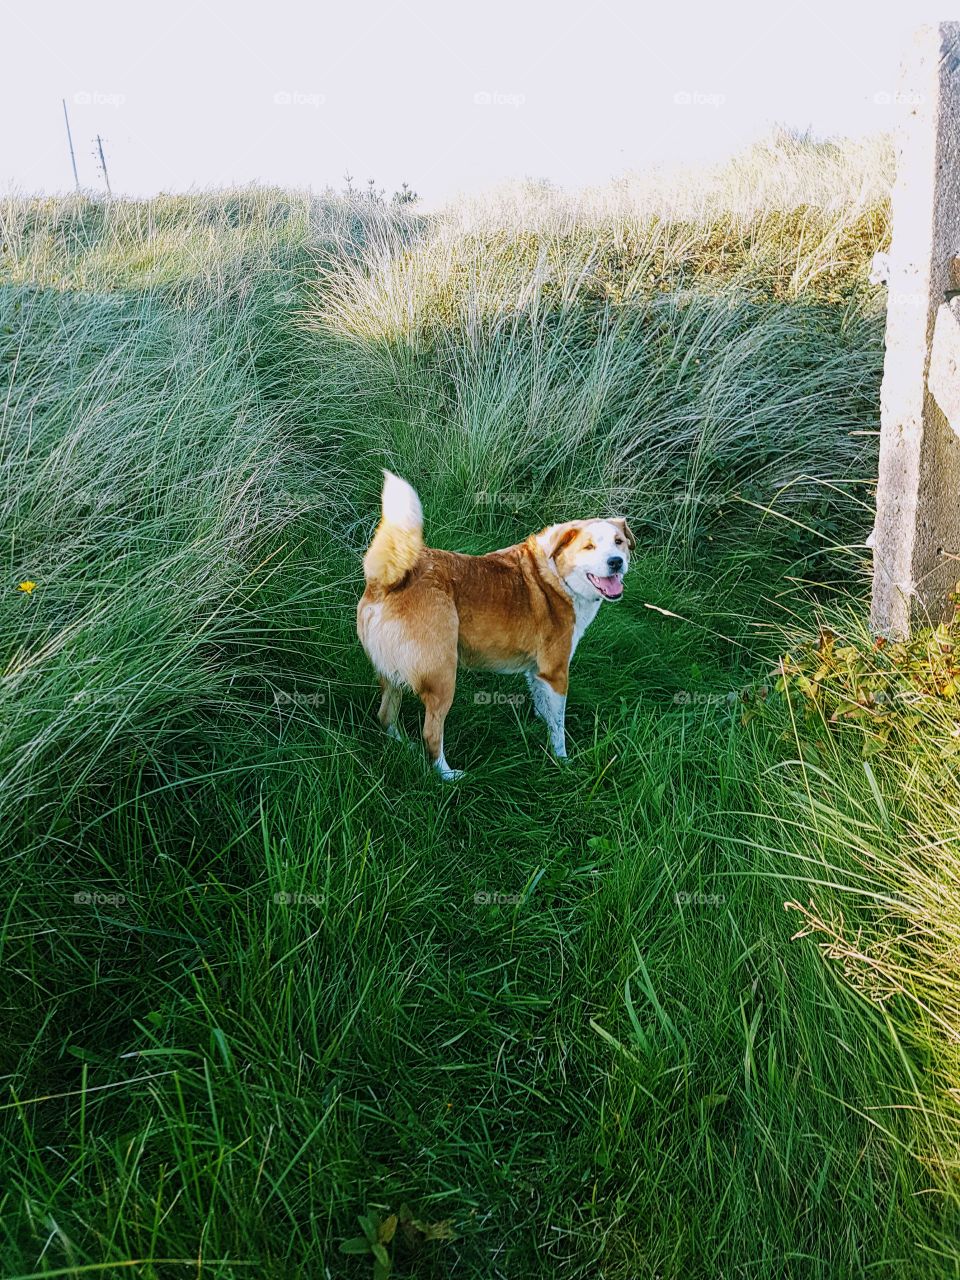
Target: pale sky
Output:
[(446, 96)]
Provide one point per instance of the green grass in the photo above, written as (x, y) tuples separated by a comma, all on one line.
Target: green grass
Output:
[(261, 971)]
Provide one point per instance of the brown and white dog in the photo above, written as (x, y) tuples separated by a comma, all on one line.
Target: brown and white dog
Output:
[(520, 610)]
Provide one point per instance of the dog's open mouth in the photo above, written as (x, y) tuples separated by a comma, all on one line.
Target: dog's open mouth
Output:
[(611, 587)]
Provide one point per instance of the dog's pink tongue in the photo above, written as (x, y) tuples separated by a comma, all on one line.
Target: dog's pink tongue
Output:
[(611, 586)]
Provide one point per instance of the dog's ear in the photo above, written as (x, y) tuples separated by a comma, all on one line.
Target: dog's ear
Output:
[(625, 530), (561, 536)]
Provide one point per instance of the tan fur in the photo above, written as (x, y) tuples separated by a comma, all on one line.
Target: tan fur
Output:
[(392, 553), (425, 612)]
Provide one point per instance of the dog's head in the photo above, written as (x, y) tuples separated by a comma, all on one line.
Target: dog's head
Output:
[(591, 556)]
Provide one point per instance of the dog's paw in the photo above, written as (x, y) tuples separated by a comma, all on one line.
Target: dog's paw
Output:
[(450, 775)]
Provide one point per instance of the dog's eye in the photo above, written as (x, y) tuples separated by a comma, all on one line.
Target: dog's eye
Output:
[(589, 546), (618, 542)]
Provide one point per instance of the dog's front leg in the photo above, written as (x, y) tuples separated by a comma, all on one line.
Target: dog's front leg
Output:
[(551, 705)]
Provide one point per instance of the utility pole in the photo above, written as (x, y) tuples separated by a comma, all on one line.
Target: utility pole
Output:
[(103, 165), (73, 158), (916, 542)]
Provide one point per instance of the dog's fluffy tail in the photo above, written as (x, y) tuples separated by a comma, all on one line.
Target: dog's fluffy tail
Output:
[(398, 542)]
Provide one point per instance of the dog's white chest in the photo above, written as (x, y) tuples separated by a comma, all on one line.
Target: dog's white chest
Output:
[(585, 611)]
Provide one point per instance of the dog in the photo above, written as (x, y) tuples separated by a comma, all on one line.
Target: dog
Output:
[(521, 610)]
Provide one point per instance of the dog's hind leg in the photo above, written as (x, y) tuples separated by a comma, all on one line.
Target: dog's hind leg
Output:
[(390, 708), (437, 697)]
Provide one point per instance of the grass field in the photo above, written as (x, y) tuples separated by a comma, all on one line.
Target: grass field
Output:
[(262, 973)]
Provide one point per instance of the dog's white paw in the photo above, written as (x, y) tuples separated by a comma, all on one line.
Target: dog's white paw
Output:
[(448, 774)]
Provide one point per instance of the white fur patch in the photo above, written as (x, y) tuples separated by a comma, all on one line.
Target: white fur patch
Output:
[(387, 640), (585, 611), (401, 506)]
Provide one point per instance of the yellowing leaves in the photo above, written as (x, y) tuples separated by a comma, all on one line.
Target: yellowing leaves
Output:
[(882, 687)]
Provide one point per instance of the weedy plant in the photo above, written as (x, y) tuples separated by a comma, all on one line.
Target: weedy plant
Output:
[(887, 690), (379, 1233)]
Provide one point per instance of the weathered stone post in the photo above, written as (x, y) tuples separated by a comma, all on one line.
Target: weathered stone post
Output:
[(917, 537)]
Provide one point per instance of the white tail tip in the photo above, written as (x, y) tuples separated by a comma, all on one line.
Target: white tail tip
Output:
[(401, 506)]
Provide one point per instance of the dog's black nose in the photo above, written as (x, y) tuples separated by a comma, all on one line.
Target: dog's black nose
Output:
[(614, 563)]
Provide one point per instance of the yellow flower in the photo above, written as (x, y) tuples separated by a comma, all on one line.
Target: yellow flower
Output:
[(26, 586)]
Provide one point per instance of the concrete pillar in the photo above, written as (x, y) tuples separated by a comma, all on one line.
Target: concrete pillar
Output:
[(916, 542)]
